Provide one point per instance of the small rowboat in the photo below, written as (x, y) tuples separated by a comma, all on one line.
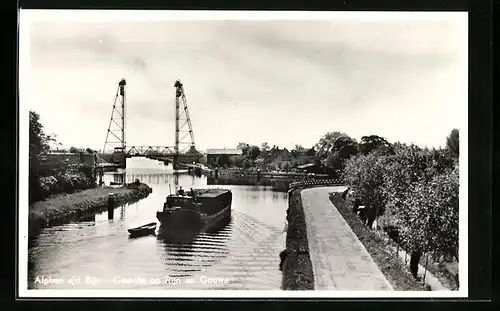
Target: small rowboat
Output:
[(143, 230)]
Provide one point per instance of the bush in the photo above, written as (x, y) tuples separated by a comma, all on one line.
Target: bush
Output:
[(49, 185)]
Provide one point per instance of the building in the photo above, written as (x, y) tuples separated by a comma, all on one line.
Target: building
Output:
[(221, 157), (280, 157)]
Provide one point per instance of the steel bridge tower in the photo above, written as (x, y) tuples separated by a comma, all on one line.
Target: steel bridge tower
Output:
[(181, 120), (115, 137)]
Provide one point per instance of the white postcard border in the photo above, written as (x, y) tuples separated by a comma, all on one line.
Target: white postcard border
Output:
[(27, 16)]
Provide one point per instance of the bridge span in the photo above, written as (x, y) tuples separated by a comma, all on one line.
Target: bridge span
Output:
[(116, 151)]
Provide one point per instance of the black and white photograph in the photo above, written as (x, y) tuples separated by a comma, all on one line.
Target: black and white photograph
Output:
[(243, 154)]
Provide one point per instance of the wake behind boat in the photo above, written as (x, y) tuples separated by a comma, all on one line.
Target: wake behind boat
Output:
[(198, 209)]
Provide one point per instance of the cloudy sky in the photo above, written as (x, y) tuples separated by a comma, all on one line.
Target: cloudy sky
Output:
[(284, 82)]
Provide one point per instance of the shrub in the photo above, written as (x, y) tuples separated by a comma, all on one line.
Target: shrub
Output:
[(48, 186)]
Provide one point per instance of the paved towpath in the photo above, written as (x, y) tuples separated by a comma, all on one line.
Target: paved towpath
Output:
[(339, 260)]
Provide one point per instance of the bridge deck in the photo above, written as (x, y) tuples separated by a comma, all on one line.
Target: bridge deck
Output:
[(339, 260)]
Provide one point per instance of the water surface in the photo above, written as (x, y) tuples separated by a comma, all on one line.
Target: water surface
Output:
[(98, 253)]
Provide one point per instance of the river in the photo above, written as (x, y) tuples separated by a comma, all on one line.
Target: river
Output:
[(97, 253)]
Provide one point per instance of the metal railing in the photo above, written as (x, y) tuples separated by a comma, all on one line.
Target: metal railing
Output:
[(316, 183)]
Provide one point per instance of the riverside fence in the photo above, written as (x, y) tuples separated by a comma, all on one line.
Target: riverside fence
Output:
[(316, 183)]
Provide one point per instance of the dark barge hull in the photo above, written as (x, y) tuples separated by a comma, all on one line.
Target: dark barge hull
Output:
[(215, 208)]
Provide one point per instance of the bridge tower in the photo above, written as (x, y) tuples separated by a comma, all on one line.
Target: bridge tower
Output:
[(183, 135), (115, 136)]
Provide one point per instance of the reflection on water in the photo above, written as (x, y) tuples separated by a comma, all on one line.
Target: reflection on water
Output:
[(242, 255)]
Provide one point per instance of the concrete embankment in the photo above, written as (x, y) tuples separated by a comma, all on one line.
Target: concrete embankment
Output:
[(66, 207), (296, 263)]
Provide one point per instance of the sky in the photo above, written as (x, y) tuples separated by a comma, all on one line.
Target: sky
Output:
[(279, 81)]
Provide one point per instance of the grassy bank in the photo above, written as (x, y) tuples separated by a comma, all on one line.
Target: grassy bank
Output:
[(445, 271), (65, 207), (378, 248), (297, 266)]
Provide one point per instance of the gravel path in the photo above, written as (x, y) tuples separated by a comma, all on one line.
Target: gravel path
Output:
[(339, 260)]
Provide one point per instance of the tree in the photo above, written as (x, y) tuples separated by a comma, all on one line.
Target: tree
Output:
[(74, 150), (408, 165), (265, 147), (311, 152), (39, 145), (413, 198), (365, 175), (334, 148), (452, 143), (428, 217), (297, 150), (243, 147), (89, 151), (441, 161), (252, 152), (39, 141), (372, 143), (326, 143)]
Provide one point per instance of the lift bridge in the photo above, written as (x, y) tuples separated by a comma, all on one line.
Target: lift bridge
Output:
[(116, 151)]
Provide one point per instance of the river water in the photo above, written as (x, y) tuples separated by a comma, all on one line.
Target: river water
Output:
[(98, 254)]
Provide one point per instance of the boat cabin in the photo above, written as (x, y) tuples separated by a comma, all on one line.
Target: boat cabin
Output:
[(180, 202)]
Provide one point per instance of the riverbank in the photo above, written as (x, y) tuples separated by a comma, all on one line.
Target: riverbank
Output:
[(381, 252), (254, 173), (66, 207), (296, 263), (280, 185)]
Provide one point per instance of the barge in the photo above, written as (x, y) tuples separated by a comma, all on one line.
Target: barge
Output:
[(195, 210)]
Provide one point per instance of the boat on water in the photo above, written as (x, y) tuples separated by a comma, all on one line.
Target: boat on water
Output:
[(194, 210), (144, 230)]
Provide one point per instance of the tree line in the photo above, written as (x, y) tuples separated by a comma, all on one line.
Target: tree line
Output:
[(417, 188)]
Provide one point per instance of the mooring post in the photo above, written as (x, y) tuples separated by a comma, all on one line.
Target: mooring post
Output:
[(111, 205), (101, 174)]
